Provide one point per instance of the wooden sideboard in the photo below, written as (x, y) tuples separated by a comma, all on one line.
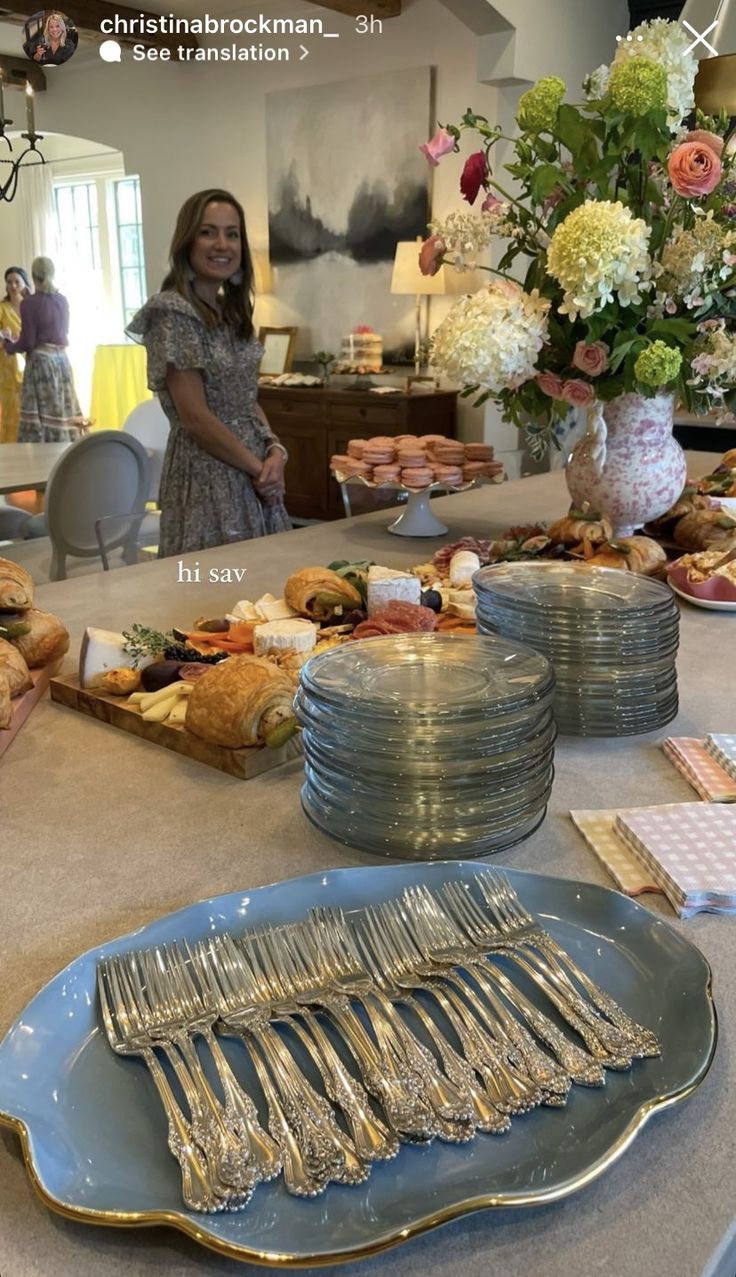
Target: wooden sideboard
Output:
[(314, 423)]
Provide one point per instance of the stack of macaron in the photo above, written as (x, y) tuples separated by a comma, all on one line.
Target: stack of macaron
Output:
[(416, 461)]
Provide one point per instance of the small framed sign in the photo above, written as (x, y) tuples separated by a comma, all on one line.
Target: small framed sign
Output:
[(278, 350)]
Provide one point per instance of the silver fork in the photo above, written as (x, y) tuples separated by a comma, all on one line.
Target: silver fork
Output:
[(513, 918), (373, 1141), (126, 1036), (604, 1041), (350, 975)]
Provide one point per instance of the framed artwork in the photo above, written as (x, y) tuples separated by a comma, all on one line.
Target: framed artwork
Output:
[(278, 350)]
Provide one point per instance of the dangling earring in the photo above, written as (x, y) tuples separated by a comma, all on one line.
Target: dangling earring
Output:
[(237, 278), (191, 274)]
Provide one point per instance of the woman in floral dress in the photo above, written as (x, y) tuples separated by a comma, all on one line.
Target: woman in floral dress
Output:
[(223, 473)]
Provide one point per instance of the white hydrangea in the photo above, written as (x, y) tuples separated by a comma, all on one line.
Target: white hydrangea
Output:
[(595, 85), (667, 44), (599, 253), (492, 338), (467, 235)]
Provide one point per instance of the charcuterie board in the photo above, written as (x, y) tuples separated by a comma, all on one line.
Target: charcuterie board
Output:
[(241, 763)]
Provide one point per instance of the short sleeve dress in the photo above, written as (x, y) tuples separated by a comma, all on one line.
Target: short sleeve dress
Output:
[(204, 501)]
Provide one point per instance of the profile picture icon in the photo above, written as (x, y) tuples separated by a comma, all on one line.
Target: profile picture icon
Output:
[(51, 38)]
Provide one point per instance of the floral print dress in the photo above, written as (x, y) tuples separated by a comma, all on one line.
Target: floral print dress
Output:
[(204, 501)]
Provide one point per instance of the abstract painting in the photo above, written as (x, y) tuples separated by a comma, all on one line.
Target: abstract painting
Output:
[(346, 183)]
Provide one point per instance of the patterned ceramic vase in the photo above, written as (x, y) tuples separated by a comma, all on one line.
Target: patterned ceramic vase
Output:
[(628, 466)]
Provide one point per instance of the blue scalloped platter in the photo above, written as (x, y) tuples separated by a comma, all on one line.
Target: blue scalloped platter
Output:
[(94, 1134)]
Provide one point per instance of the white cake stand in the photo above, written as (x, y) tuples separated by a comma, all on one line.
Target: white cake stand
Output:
[(416, 518)]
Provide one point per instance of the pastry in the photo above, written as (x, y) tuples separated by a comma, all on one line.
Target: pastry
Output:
[(16, 587), (452, 476), (478, 452), (408, 457), (703, 528), (634, 554), (317, 593), (449, 453), (386, 474), (355, 448), (572, 529), (417, 476), (13, 664), (46, 640), (242, 701), (378, 454), (6, 709), (729, 459), (473, 470)]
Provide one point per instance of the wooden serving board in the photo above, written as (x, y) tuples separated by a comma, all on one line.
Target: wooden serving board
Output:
[(21, 706), (242, 763)]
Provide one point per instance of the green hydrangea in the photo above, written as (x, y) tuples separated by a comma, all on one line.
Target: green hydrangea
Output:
[(538, 107), (658, 365), (638, 86)]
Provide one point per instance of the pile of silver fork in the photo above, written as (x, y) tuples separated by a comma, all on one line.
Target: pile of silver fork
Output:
[(406, 1021)]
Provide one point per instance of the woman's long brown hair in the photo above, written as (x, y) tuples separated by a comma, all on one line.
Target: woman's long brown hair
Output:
[(237, 299)]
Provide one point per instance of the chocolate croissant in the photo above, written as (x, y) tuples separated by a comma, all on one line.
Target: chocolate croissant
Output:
[(242, 701), (16, 587), (13, 664), (41, 638), (633, 554), (318, 593)]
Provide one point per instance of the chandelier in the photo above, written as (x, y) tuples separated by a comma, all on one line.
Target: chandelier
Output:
[(30, 154)]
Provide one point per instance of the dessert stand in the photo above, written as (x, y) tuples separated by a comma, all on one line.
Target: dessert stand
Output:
[(416, 518)]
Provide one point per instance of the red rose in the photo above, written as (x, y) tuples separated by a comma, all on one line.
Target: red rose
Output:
[(473, 176)]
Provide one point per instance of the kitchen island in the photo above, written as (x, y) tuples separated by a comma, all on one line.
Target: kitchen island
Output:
[(102, 832)]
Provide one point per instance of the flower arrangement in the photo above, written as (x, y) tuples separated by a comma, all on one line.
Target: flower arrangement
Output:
[(622, 230)]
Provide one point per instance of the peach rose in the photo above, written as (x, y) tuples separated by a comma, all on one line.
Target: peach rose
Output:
[(706, 138), (695, 170), (550, 384), (441, 144), (578, 393), (591, 357), (430, 255)]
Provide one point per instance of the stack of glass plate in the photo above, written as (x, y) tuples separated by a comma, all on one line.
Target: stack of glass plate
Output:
[(424, 746), (611, 636)]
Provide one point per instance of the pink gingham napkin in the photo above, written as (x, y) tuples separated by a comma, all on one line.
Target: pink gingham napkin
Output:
[(597, 828), (723, 749), (690, 851), (700, 768)]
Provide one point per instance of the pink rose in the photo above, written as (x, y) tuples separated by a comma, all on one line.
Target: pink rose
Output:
[(706, 138), (441, 144), (491, 203), (695, 170), (550, 384), (430, 255), (473, 176), (591, 358), (579, 393)]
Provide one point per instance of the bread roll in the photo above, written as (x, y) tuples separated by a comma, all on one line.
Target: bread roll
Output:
[(46, 641), (16, 587), (318, 592), (239, 702), (14, 666)]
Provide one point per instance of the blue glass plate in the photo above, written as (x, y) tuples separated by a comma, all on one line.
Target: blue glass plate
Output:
[(93, 1133)]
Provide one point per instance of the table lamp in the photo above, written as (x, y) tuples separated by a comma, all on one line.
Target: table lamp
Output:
[(712, 24), (408, 281), (262, 273)]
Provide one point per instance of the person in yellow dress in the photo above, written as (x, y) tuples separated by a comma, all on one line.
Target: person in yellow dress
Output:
[(11, 377)]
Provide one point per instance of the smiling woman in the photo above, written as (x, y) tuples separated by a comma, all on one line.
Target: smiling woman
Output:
[(223, 475)]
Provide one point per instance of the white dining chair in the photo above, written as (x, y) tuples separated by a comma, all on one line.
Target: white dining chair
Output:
[(149, 424), (103, 479)]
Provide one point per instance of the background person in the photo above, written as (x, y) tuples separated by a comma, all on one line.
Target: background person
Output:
[(223, 473), (16, 288), (49, 409)]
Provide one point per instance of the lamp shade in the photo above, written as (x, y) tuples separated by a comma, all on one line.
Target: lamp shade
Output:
[(408, 280), (262, 273), (715, 84)]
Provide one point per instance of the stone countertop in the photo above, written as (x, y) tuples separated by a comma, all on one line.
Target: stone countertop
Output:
[(102, 832)]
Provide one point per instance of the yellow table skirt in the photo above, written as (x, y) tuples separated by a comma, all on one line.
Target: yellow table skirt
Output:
[(118, 384)]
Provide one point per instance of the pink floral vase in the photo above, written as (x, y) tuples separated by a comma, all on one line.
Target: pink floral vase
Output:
[(628, 466)]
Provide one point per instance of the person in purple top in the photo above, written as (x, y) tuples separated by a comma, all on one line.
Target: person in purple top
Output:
[(49, 409)]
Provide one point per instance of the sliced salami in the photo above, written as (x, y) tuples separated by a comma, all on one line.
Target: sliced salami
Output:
[(397, 618)]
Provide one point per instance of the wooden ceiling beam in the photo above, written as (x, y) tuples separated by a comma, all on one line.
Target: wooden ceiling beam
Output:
[(17, 71), (89, 14), (358, 8)]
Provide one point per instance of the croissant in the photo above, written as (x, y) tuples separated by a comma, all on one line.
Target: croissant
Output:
[(633, 554), (13, 664), (703, 528), (16, 587), (689, 501), (242, 701), (45, 639), (319, 592), (572, 530), (729, 459), (6, 712)]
